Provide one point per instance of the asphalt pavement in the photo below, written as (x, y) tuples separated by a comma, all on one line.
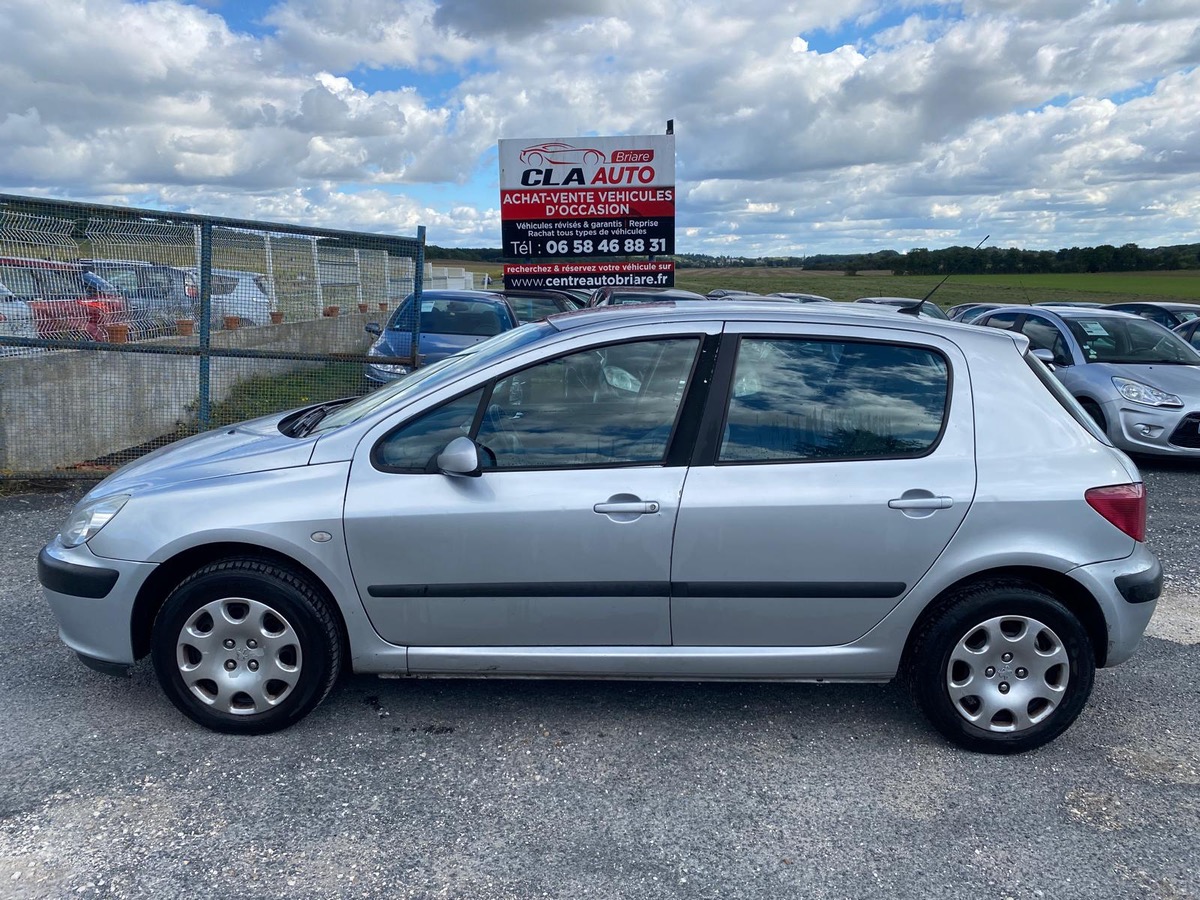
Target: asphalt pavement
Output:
[(526, 789)]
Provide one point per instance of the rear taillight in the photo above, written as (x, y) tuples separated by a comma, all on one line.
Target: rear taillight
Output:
[(1124, 505)]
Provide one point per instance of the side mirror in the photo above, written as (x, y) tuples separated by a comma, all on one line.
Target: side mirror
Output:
[(460, 458), (373, 328), (1046, 356)]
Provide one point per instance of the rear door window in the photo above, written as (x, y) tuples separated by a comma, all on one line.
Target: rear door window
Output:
[(804, 400)]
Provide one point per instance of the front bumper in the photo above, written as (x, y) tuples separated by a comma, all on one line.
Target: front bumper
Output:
[(1153, 430), (92, 598), (1127, 591)]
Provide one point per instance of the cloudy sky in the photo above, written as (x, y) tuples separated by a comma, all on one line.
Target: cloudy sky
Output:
[(801, 127)]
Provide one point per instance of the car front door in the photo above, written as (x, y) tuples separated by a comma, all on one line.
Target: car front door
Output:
[(831, 472), (564, 539)]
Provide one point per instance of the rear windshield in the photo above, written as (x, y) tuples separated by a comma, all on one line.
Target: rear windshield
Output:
[(1063, 396)]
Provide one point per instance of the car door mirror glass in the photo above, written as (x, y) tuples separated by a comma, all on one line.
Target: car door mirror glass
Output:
[(460, 458), (373, 328)]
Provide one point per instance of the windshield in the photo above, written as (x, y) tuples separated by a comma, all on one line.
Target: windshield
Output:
[(1108, 339), (439, 372), (453, 315)]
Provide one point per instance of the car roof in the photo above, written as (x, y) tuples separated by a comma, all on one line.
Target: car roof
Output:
[(452, 294), (40, 263), (1161, 304), (889, 300), (766, 311), (1066, 312), (654, 292), (90, 260)]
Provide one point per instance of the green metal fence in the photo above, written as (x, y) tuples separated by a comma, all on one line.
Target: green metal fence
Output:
[(124, 329)]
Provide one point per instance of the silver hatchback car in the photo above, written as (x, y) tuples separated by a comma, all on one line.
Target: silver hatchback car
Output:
[(742, 490), (1140, 382)]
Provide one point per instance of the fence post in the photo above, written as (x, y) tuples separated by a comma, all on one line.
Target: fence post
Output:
[(316, 263), (418, 289), (205, 412)]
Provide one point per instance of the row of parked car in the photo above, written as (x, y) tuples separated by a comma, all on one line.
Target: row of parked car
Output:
[(83, 299), (1133, 367)]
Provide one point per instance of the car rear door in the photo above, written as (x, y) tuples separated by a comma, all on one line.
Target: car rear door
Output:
[(830, 473)]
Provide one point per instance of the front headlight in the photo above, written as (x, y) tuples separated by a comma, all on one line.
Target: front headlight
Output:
[(384, 368), (87, 520), (1136, 392)]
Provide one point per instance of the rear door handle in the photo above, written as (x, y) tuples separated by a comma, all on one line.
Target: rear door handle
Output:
[(639, 507), (921, 503)]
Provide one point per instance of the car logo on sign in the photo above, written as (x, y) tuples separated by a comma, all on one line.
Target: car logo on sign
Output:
[(557, 153)]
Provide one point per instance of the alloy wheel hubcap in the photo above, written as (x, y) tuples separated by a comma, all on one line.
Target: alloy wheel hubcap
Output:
[(1008, 673), (239, 656)]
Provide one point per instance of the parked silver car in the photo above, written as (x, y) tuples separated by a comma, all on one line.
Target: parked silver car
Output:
[(1140, 382), (680, 492)]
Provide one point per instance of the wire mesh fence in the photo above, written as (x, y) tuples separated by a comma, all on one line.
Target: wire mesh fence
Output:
[(124, 329)]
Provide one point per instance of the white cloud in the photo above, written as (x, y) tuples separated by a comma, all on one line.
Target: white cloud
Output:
[(1052, 123)]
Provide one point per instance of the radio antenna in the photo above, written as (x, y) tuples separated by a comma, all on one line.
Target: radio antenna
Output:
[(948, 274)]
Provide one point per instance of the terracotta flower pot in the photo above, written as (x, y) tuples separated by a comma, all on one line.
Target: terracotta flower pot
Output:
[(185, 327), (118, 332), (383, 307), (232, 323), (332, 312), (276, 317), (362, 307)]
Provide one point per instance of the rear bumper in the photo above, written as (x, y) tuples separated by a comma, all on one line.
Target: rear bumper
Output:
[(1127, 591)]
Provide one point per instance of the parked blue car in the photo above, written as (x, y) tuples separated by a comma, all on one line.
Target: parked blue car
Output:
[(450, 321)]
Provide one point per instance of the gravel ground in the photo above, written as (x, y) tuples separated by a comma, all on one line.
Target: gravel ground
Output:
[(588, 789)]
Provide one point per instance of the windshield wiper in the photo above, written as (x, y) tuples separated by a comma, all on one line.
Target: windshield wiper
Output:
[(305, 424), (309, 421)]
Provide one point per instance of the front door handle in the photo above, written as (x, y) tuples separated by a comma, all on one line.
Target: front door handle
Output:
[(921, 503), (626, 507)]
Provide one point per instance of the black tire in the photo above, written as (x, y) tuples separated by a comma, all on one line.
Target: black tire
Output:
[(244, 646), (1092, 408), (958, 674)]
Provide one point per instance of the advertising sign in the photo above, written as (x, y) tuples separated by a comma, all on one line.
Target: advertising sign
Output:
[(588, 196), (589, 274)]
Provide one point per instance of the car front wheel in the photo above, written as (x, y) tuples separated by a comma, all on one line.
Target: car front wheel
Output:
[(1002, 668), (244, 646)]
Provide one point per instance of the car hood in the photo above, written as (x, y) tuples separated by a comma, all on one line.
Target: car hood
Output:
[(1184, 381), (253, 446), (433, 346)]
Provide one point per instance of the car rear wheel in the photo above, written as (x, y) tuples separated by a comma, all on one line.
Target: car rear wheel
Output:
[(1001, 668), (244, 646)]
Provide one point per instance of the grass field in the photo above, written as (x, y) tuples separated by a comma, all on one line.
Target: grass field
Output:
[(1114, 287)]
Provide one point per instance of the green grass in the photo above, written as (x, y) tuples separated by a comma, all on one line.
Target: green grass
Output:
[(1101, 287), (263, 395)]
